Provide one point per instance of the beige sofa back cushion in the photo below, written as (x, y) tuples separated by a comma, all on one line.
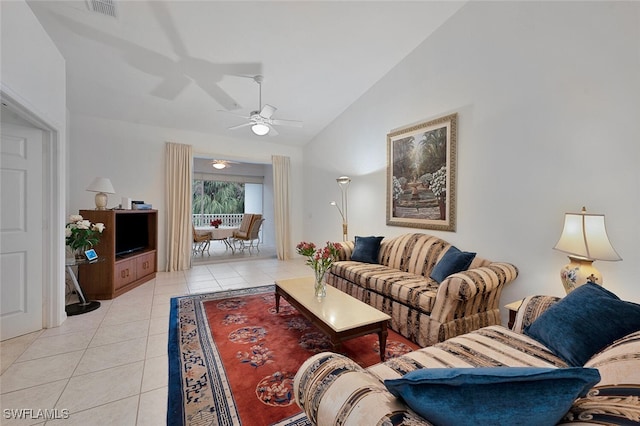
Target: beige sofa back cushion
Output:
[(417, 253)]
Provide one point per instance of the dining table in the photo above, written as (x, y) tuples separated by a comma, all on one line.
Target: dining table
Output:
[(220, 233)]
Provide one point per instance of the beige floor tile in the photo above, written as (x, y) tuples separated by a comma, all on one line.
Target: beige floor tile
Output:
[(42, 397), (168, 276), (124, 315), (21, 375), (118, 333), (159, 325), (161, 280), (11, 349), (112, 355), (152, 410), (200, 286), (196, 271), (132, 303), (78, 323), (47, 346), (157, 345), (231, 282), (156, 373), (166, 298), (231, 273), (180, 288), (160, 310), (101, 387), (119, 413)]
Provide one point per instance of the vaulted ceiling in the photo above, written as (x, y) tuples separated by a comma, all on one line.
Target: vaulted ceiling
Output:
[(178, 63)]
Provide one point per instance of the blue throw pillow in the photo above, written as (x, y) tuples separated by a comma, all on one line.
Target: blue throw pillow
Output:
[(493, 396), (583, 323), (366, 249), (453, 261)]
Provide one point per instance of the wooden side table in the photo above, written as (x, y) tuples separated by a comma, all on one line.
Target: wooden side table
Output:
[(513, 310)]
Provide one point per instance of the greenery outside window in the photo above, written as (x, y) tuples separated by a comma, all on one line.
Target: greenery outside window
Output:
[(216, 197)]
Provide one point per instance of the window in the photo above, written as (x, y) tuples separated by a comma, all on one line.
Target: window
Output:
[(216, 197)]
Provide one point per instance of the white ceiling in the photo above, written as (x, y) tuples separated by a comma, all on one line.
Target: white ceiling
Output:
[(176, 63)]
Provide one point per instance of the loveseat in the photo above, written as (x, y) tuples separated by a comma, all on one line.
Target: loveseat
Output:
[(425, 311), (332, 389)]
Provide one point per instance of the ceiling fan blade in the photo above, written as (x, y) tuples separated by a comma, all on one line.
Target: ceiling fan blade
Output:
[(292, 123), (267, 111), (239, 126), (272, 131)]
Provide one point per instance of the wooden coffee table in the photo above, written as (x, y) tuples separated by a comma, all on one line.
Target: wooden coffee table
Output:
[(338, 315)]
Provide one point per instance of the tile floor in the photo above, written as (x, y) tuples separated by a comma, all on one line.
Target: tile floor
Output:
[(109, 367)]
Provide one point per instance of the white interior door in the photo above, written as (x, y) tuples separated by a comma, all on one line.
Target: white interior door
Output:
[(21, 219)]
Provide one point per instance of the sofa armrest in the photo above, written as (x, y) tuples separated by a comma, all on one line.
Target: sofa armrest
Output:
[(346, 250), (470, 294), (332, 389), (530, 309)]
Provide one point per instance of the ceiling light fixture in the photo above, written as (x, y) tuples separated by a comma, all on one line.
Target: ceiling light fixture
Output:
[(260, 129), (218, 165)]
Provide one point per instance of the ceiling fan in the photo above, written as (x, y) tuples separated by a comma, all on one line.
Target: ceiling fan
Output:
[(260, 120), (221, 164)]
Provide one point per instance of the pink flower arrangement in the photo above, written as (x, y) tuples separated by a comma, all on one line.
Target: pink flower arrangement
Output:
[(320, 259)]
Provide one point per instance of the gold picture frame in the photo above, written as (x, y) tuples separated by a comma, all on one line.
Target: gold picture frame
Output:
[(421, 175)]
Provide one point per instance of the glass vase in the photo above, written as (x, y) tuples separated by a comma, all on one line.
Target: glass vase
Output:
[(320, 286), (79, 253)]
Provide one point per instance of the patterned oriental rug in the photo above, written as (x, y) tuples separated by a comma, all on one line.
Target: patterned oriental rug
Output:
[(232, 358)]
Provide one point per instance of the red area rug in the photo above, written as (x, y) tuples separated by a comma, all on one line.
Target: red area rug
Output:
[(232, 358)]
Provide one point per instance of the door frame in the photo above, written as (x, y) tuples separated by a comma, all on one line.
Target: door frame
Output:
[(53, 196)]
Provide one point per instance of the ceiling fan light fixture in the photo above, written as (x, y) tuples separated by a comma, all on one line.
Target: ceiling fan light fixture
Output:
[(260, 129), (219, 165)]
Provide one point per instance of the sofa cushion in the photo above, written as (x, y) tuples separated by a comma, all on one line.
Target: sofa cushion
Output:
[(366, 249), (408, 289), (586, 321), (502, 395), (452, 261)]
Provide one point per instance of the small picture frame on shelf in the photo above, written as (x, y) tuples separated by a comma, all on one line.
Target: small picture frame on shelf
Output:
[(91, 254)]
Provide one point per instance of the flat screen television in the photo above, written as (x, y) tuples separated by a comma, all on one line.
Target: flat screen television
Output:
[(132, 233)]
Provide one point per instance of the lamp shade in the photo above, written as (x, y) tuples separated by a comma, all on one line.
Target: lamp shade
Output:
[(260, 129), (101, 184), (343, 180), (585, 235)]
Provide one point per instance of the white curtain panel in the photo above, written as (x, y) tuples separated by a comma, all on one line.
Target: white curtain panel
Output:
[(281, 203), (179, 163)]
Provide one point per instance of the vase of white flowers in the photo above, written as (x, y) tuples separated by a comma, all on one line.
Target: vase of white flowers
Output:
[(81, 235)]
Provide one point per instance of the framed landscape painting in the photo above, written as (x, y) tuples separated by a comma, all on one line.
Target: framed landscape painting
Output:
[(421, 175)]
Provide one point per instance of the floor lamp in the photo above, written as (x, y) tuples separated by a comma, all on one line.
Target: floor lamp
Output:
[(343, 183)]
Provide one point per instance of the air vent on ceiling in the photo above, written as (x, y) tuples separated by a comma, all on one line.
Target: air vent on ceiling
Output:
[(103, 7)]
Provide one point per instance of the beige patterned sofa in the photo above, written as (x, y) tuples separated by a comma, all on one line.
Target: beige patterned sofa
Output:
[(422, 310), (332, 389)]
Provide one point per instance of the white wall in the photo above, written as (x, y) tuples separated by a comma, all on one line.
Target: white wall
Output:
[(548, 97), (33, 70), (132, 156), (33, 83)]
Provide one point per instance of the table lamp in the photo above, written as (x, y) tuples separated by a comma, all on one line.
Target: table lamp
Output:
[(102, 186), (584, 237)]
